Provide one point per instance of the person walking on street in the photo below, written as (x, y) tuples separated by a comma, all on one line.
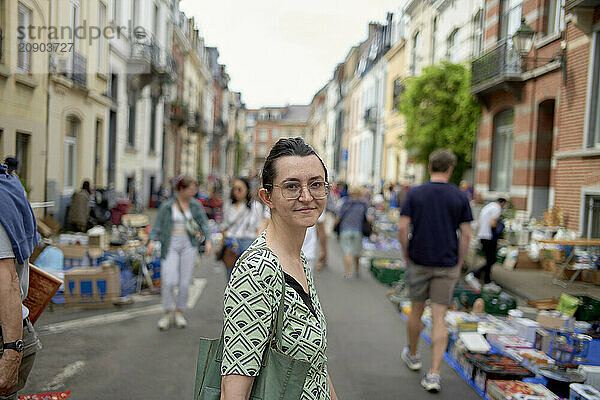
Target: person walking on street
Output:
[(350, 218), (294, 187), (242, 216), (489, 219), (434, 255), (180, 225), (18, 237), (79, 210)]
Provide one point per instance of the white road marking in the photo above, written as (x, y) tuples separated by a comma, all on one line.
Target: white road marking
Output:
[(198, 285), (196, 288), (68, 372)]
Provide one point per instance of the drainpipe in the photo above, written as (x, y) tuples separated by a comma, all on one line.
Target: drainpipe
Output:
[(47, 115), (534, 113)]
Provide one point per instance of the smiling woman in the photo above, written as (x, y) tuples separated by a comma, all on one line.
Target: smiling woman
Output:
[(294, 187)]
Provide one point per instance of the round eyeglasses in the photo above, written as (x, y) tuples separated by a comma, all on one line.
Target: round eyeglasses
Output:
[(293, 190)]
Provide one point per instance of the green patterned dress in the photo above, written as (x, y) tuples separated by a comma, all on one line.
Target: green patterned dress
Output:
[(250, 307)]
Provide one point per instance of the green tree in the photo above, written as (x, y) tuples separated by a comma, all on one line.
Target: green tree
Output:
[(441, 112)]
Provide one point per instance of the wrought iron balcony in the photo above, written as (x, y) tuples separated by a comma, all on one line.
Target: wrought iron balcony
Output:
[(194, 121), (79, 69), (178, 112), (573, 4), (497, 66)]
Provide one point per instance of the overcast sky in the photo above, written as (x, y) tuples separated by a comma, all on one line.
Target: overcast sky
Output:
[(282, 51)]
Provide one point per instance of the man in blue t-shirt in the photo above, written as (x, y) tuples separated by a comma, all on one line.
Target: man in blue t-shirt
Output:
[(437, 210)]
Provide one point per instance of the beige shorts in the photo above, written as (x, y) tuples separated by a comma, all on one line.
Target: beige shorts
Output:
[(433, 283)]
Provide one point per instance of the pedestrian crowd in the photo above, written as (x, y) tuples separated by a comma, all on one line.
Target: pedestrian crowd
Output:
[(273, 239)]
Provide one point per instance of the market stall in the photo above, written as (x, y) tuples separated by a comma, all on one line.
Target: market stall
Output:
[(507, 349)]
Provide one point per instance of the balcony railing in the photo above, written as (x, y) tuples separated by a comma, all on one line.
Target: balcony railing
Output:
[(194, 121), (178, 112), (499, 64), (79, 74), (572, 4)]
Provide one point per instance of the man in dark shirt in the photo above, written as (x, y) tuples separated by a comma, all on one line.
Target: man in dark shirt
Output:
[(434, 255)]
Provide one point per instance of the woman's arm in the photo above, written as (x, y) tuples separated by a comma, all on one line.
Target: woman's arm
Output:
[(202, 220), (236, 387), (331, 389), (157, 226)]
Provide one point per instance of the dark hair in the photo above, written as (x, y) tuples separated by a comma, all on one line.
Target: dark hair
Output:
[(248, 194), (183, 182), (501, 199), (441, 160), (86, 186), (286, 147), (11, 163)]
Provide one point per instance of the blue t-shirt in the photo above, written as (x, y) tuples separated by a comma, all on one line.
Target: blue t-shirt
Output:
[(436, 210)]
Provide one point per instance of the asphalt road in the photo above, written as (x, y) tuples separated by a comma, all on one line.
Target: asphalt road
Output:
[(119, 353)]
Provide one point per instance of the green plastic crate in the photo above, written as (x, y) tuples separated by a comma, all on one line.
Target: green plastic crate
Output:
[(499, 304), (387, 276), (588, 310), (465, 295)]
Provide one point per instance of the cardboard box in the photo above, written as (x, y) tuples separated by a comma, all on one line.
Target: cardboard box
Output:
[(92, 287), (590, 276), (47, 226), (524, 262), (73, 251), (555, 320)]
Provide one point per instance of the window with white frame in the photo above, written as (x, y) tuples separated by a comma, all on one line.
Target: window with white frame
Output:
[(23, 57), (116, 5), (22, 154), (2, 29), (416, 45), (510, 18), (591, 217), (594, 116), (70, 166), (453, 47), (74, 22), (433, 39), (554, 16), (262, 150), (101, 25), (275, 134), (262, 136), (502, 151), (478, 33)]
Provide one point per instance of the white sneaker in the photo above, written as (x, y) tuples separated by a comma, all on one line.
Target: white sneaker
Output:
[(431, 383), (180, 321), (412, 362), (473, 281), (164, 322)]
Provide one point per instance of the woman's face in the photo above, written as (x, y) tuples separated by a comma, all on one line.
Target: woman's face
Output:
[(189, 192), (239, 190), (301, 171)]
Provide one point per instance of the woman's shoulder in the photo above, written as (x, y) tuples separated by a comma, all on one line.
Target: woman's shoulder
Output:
[(195, 205), (260, 260), (166, 206)]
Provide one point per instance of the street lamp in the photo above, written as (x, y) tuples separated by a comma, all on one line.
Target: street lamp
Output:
[(523, 41), (523, 38)]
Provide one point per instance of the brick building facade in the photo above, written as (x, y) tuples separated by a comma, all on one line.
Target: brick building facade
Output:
[(576, 172), (520, 96)]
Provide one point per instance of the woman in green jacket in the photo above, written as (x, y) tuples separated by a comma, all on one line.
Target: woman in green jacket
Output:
[(179, 241)]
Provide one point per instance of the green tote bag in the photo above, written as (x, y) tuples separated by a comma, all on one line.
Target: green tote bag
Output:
[(281, 377)]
